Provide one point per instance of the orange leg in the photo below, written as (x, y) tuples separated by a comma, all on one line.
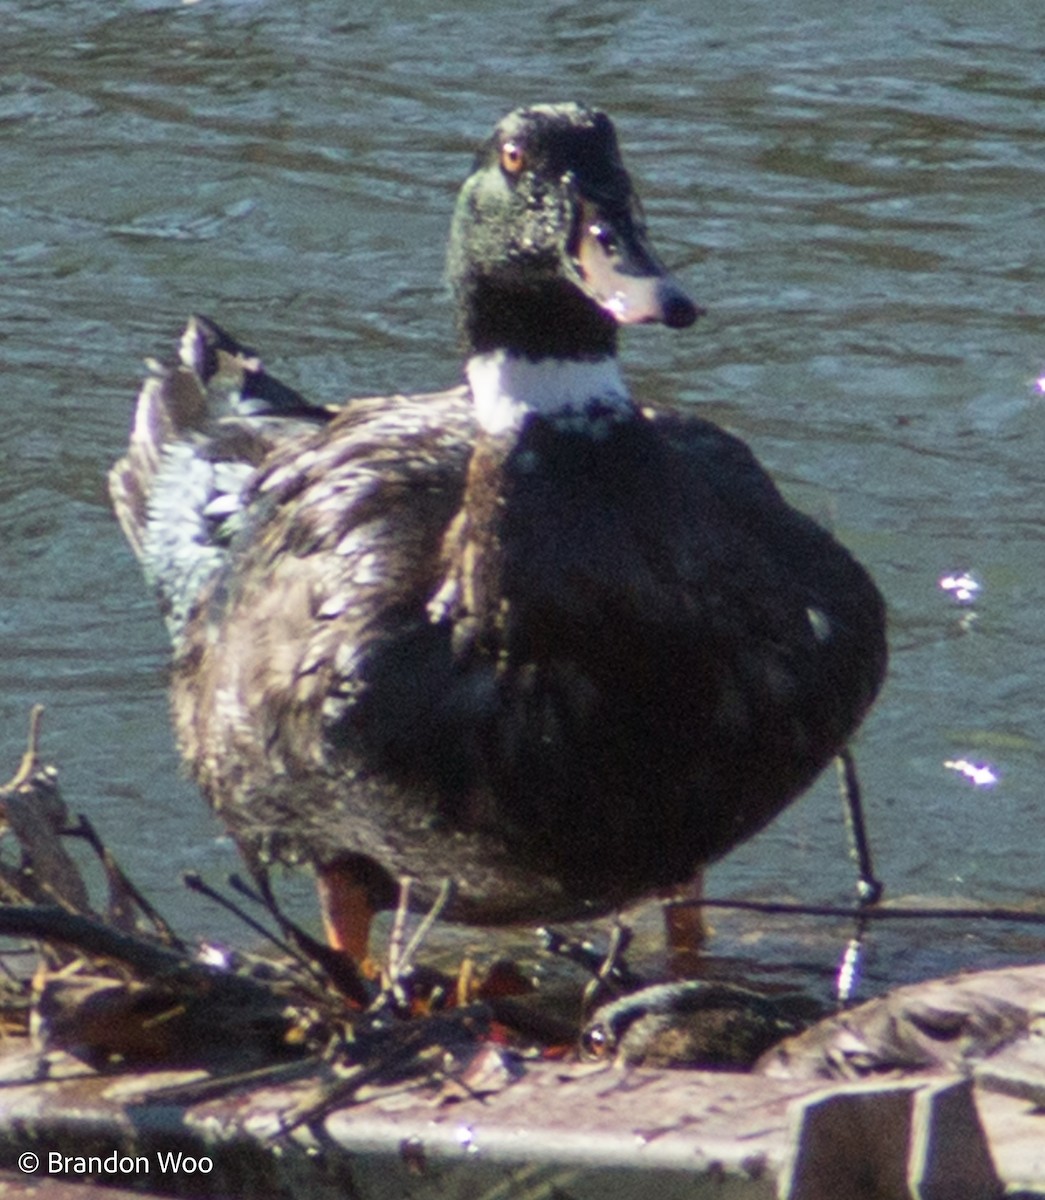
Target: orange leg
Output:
[(347, 911), (684, 928)]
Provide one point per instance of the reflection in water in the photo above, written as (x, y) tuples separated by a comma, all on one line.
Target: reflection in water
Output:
[(855, 198)]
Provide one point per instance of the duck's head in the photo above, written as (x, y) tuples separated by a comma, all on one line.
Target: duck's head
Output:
[(548, 249)]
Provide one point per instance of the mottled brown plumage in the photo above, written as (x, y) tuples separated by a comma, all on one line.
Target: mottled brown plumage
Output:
[(562, 653)]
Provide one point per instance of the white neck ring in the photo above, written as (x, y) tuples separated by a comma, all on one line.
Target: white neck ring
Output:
[(506, 388)]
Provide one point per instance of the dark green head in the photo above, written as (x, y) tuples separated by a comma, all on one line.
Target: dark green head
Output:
[(548, 249)]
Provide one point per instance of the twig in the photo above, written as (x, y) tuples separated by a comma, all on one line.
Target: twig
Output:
[(876, 913), (30, 763), (52, 924), (149, 961), (398, 935), (325, 964), (411, 1043), (196, 883), (196, 1091), (85, 829), (869, 888), (609, 969), (586, 956), (446, 889), (36, 814)]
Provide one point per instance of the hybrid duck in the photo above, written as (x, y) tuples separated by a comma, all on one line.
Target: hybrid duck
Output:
[(524, 634)]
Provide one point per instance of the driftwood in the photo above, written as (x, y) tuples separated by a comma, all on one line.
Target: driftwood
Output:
[(120, 989), (35, 812), (106, 989)]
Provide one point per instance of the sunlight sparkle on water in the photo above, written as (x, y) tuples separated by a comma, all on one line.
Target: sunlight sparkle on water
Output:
[(962, 586), (978, 774)]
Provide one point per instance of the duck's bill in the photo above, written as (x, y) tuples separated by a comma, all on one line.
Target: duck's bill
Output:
[(621, 274)]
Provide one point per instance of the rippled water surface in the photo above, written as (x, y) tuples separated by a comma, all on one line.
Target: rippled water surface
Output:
[(856, 198)]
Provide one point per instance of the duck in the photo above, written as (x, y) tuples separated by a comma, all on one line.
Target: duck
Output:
[(533, 645), (696, 1023)]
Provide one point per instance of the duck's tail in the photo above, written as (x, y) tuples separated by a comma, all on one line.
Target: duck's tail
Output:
[(201, 427)]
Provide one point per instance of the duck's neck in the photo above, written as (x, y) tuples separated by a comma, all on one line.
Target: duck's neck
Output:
[(507, 387)]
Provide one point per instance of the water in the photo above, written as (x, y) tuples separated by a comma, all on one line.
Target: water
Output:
[(856, 198)]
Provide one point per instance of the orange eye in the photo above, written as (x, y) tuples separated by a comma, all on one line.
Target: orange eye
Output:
[(513, 158)]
